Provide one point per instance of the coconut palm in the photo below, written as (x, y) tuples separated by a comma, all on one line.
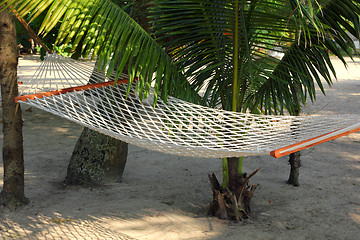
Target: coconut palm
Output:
[(230, 49), (232, 54), (227, 49)]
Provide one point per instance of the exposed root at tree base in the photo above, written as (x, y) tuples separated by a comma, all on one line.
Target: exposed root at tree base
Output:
[(232, 204)]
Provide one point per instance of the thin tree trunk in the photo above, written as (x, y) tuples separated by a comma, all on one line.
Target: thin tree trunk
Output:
[(233, 174), (12, 194), (295, 164), (294, 161)]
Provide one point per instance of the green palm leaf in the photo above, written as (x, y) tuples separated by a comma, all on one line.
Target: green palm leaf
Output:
[(303, 65), (200, 37), (107, 31)]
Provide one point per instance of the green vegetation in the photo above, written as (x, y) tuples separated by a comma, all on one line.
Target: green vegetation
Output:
[(227, 49)]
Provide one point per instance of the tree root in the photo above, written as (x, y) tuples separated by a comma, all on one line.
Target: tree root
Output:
[(232, 205)]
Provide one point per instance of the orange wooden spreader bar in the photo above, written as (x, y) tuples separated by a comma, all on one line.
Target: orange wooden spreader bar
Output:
[(66, 90), (282, 151)]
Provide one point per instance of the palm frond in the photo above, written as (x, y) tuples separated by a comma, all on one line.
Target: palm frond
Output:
[(199, 34), (301, 69), (105, 30)]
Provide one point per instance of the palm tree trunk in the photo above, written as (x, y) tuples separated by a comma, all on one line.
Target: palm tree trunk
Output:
[(97, 158), (232, 200), (12, 194), (233, 173)]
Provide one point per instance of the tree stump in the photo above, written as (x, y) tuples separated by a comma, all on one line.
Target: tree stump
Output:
[(232, 204)]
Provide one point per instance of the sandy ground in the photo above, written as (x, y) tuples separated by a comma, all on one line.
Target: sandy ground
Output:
[(166, 197)]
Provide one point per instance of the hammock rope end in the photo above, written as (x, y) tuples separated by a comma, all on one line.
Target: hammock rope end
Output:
[(314, 141)]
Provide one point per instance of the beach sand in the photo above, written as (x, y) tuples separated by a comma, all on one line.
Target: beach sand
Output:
[(166, 197)]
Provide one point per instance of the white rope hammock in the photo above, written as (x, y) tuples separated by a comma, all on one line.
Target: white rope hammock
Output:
[(61, 86)]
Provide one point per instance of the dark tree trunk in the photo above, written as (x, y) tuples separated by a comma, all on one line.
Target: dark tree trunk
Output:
[(12, 194), (295, 164), (233, 175), (97, 159), (294, 161)]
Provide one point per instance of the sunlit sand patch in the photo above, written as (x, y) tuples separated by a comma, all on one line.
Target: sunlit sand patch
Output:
[(164, 226), (183, 225), (57, 227), (354, 166), (355, 217)]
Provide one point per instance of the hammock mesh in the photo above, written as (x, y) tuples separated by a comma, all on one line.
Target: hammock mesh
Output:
[(177, 127)]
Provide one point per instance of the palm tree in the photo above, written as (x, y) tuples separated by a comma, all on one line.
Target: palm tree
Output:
[(227, 49)]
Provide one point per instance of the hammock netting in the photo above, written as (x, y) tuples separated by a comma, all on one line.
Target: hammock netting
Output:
[(75, 90)]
